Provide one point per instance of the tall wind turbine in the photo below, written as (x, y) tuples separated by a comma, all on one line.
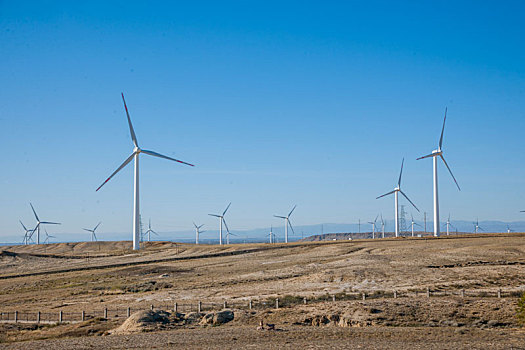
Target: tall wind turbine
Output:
[(93, 234), (38, 223), (271, 234), (434, 155), (197, 232), (373, 223), (477, 227), (412, 223), (382, 227), (228, 234), (221, 221), (287, 223), (396, 200), (27, 234), (448, 225), (135, 155), (150, 231)]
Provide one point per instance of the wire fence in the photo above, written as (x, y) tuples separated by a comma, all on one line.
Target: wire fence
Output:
[(256, 304)]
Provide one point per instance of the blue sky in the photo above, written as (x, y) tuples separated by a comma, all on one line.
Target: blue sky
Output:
[(307, 103)]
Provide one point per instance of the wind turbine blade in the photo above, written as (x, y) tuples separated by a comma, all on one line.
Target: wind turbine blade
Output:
[(50, 223), (225, 225), (88, 230), (443, 129), (194, 224), (450, 171), (217, 216), (200, 227), (376, 218), (34, 212), (386, 194), (280, 217), (291, 211), (97, 226), (22, 225), (290, 224), (400, 173), (116, 171), (408, 200), (155, 154), (225, 210), (427, 156), (132, 132)]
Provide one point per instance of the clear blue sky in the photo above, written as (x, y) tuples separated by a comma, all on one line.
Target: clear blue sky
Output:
[(277, 103)]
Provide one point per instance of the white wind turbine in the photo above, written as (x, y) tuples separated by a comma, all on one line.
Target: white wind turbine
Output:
[(287, 223), (271, 234), (135, 155), (396, 200), (509, 230), (373, 223), (221, 221), (48, 236), (448, 225), (37, 227), (228, 234), (150, 231), (434, 155), (412, 223), (477, 227), (28, 233), (382, 227), (197, 232), (93, 234)]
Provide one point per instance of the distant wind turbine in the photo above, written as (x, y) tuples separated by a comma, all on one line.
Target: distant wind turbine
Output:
[(396, 200), (46, 241), (221, 221), (197, 232), (93, 234), (434, 155), (150, 231), (382, 227), (28, 233), (509, 230), (477, 227), (373, 223), (135, 155), (412, 223), (271, 234), (287, 223), (37, 227)]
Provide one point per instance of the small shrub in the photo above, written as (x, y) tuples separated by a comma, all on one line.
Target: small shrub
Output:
[(520, 312)]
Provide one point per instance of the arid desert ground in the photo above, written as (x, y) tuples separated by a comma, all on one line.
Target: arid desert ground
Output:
[(446, 294)]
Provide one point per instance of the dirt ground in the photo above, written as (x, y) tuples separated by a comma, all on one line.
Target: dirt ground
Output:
[(96, 275)]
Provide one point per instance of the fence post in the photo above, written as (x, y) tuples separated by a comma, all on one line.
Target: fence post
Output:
[(499, 293), (395, 294), (199, 307), (106, 312), (175, 308), (428, 292), (364, 296), (304, 300), (16, 316), (277, 303), (60, 316), (128, 312), (462, 293), (225, 304), (83, 315), (151, 307), (250, 305), (333, 297)]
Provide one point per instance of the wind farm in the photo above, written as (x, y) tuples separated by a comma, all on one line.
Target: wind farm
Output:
[(283, 219)]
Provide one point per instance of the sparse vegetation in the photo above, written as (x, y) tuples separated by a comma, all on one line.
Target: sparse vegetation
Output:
[(520, 312)]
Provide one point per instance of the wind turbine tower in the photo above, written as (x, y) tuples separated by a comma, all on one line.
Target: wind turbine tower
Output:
[(150, 231), (396, 200), (373, 223), (287, 223), (135, 156), (221, 221), (38, 223), (93, 235), (435, 154), (27, 234), (412, 223), (382, 227), (197, 232)]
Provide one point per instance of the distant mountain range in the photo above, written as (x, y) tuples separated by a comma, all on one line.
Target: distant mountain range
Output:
[(262, 234)]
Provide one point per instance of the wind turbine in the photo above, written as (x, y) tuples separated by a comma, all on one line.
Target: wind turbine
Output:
[(509, 229), (382, 227), (93, 235), (448, 225), (396, 200), (37, 227), (197, 232), (135, 155), (47, 237), (150, 231), (271, 234), (412, 223), (434, 155), (221, 221), (228, 234), (373, 223), (476, 226), (287, 223), (27, 234)]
